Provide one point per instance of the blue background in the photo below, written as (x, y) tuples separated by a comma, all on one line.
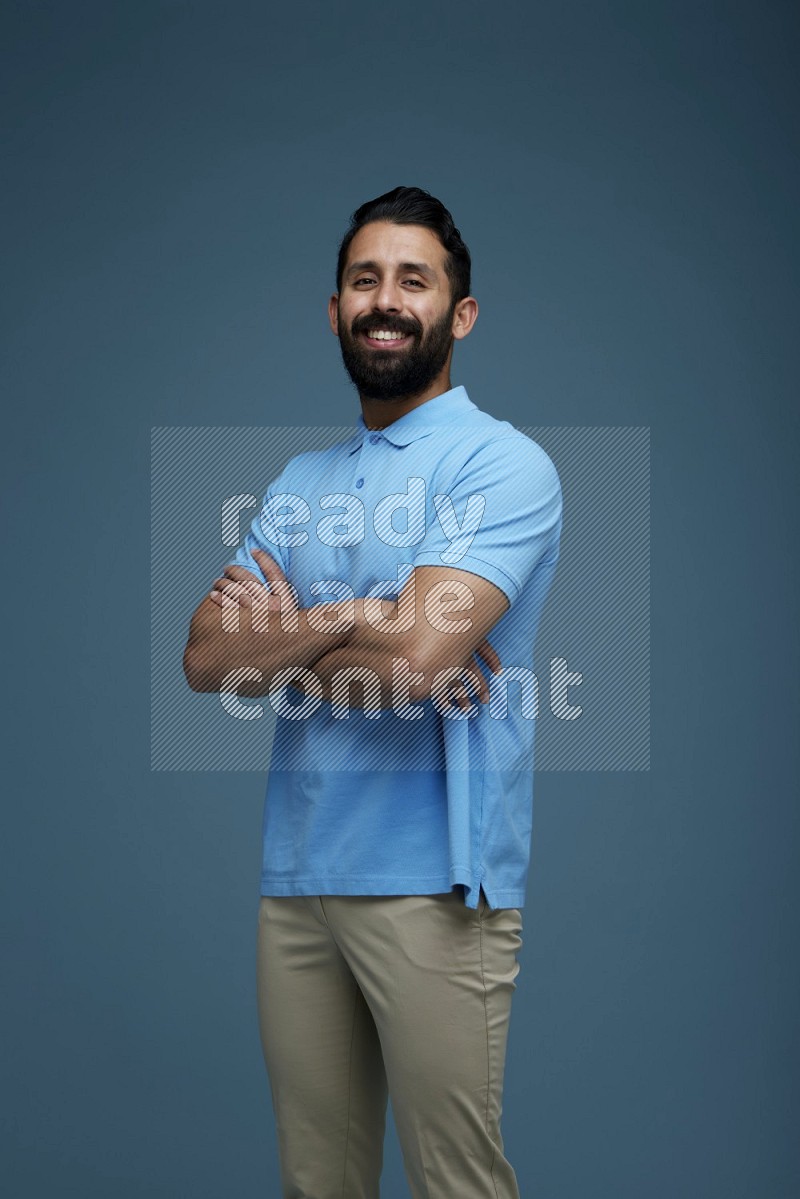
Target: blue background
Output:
[(177, 178)]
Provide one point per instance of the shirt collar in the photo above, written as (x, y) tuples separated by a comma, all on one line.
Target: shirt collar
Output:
[(419, 422)]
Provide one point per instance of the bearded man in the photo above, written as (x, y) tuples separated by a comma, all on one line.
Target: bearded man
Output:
[(397, 819)]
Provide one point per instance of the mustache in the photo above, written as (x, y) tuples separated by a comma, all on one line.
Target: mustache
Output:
[(363, 324)]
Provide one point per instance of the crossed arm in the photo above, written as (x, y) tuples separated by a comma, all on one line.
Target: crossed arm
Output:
[(435, 629)]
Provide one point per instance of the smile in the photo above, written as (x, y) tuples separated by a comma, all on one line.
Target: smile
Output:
[(382, 339)]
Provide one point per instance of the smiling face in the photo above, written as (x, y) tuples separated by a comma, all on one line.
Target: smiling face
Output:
[(395, 317)]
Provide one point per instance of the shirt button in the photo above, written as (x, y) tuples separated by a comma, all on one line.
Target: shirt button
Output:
[(359, 482), (374, 439)]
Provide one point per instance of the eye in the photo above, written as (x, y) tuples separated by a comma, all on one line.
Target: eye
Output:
[(364, 279), (416, 282)]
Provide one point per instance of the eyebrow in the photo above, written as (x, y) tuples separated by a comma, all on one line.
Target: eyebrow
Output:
[(418, 268)]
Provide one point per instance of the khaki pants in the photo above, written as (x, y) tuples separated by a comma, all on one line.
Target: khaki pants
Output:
[(364, 996)]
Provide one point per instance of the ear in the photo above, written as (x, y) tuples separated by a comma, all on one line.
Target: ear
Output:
[(333, 313), (464, 317)]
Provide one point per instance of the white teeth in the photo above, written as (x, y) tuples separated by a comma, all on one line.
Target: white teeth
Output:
[(382, 335)]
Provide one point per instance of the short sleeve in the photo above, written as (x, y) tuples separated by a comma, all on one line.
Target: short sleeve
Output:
[(256, 539), (500, 517)]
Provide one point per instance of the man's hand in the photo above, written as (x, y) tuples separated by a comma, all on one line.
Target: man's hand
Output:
[(242, 586), (458, 692), (220, 643)]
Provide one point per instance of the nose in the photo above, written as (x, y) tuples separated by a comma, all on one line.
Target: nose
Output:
[(387, 297)]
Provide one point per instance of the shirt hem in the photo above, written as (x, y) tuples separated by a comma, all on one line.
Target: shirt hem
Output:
[(332, 884), (380, 885)]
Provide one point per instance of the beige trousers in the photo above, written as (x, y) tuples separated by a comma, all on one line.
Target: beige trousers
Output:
[(361, 997)]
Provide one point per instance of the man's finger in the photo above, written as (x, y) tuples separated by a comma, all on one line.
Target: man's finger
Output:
[(490, 656), (462, 691), (459, 695), (226, 589), (234, 588), (240, 574), (270, 567), (483, 686)]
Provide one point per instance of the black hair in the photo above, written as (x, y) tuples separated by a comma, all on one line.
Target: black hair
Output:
[(413, 206)]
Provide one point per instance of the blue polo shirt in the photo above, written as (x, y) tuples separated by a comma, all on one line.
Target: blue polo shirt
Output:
[(410, 801)]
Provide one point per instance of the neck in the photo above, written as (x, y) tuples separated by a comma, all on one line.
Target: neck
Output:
[(380, 413)]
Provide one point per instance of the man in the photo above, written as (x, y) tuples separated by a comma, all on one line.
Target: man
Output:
[(398, 811)]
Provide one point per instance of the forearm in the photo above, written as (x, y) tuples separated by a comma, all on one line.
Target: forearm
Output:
[(223, 642), (389, 661)]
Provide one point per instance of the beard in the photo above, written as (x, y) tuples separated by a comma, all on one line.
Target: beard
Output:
[(396, 374)]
